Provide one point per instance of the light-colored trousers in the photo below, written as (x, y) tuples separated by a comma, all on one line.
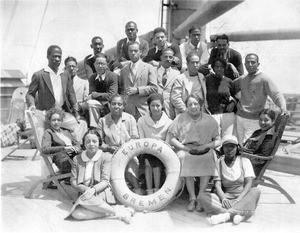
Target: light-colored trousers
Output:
[(245, 128), (246, 207), (226, 123)]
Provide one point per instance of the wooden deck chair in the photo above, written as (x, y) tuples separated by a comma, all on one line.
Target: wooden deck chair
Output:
[(37, 122), (17, 105), (261, 179)]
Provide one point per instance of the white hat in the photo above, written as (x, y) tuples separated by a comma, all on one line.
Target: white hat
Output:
[(229, 139)]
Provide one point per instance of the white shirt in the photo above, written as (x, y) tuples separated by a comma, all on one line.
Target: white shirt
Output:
[(136, 40), (89, 168), (100, 77), (167, 45), (56, 86)]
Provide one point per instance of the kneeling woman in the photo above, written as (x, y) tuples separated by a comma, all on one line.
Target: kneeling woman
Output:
[(91, 177), (194, 134), (233, 198)]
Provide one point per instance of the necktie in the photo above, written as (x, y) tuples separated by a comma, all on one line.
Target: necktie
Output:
[(133, 71), (164, 78)]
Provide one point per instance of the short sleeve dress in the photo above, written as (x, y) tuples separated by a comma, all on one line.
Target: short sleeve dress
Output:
[(195, 133)]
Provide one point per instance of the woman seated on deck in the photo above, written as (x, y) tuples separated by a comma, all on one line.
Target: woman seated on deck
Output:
[(233, 198), (154, 124), (116, 128), (260, 141), (91, 176), (194, 134), (57, 139)]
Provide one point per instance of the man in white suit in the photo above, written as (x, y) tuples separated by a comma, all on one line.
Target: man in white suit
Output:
[(166, 76), (189, 82), (137, 81), (81, 86)]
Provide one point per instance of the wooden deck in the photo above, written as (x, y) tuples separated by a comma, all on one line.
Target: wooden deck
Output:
[(45, 212)]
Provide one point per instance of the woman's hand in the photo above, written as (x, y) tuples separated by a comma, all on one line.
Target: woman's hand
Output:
[(112, 149), (226, 203), (88, 194), (71, 149)]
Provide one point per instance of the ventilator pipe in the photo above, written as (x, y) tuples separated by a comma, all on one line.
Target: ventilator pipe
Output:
[(208, 12)]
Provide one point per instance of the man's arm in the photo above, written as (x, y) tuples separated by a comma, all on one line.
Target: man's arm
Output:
[(112, 82), (151, 84), (87, 67), (144, 49), (176, 95), (72, 96)]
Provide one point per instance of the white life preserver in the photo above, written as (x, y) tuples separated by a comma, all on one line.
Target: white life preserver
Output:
[(165, 194)]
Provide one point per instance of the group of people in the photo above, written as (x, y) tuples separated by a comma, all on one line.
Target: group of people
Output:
[(201, 104)]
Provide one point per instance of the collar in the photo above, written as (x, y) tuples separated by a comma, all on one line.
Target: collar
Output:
[(191, 46), (94, 159), (167, 45), (158, 124), (136, 63), (102, 77), (136, 40), (162, 69), (109, 118), (49, 70)]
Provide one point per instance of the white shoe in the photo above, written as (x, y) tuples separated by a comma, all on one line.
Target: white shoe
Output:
[(124, 216), (219, 218), (237, 219)]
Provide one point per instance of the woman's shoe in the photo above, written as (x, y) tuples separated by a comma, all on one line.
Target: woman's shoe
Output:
[(192, 205), (219, 218), (138, 191), (199, 207), (237, 219)]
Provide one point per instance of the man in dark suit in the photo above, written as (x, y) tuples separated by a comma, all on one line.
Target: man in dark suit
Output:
[(138, 80), (161, 43), (102, 85), (234, 59), (122, 45), (97, 46), (55, 89)]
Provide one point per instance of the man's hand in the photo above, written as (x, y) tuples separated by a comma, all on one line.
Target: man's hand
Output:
[(77, 119), (131, 90), (176, 60), (234, 70), (230, 107), (284, 112)]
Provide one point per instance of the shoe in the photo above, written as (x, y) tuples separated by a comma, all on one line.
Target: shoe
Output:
[(138, 191), (131, 210), (192, 205), (219, 218), (237, 219), (155, 190), (199, 207), (124, 215)]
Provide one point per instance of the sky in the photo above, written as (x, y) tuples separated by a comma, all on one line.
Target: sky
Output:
[(28, 27)]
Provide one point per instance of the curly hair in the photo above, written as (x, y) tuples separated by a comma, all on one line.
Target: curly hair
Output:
[(53, 111)]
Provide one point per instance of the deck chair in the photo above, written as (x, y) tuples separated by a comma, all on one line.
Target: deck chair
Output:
[(37, 122), (261, 179), (17, 105)]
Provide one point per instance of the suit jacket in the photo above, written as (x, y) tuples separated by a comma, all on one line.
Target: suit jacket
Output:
[(51, 143), (233, 57), (122, 49), (41, 84), (81, 88), (166, 90), (110, 86), (145, 81), (180, 93), (89, 61)]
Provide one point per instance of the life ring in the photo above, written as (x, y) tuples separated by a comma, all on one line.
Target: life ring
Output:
[(165, 194)]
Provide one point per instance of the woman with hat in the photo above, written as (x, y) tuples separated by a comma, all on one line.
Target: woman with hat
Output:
[(154, 124), (234, 198)]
